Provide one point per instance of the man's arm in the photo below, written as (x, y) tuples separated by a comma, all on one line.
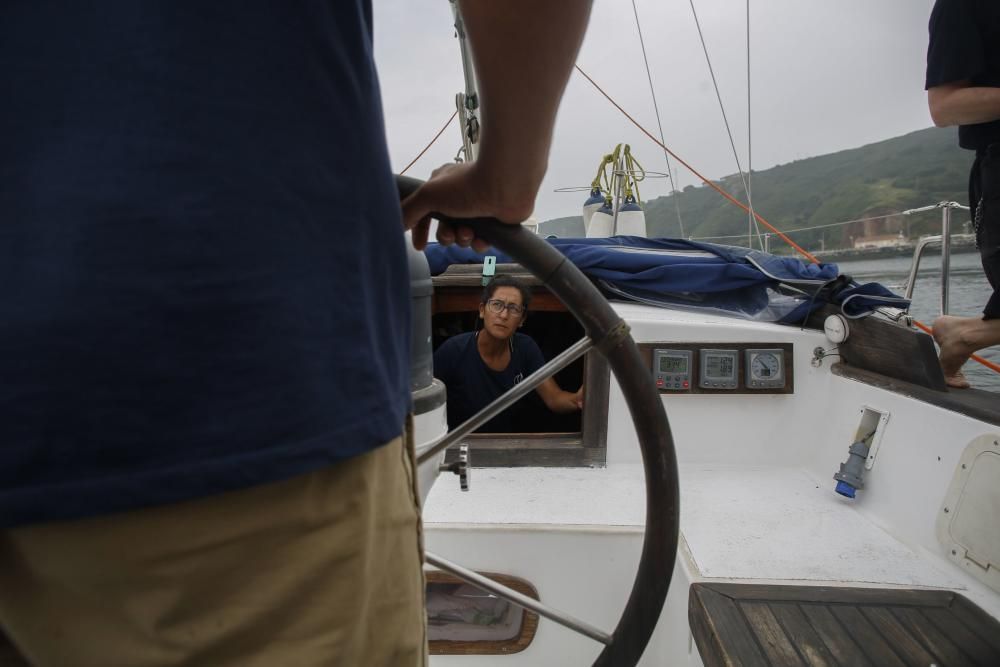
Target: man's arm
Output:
[(558, 400), (961, 103), (523, 51)]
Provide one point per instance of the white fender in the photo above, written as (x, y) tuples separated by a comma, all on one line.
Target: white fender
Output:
[(593, 204), (631, 220), (601, 223)]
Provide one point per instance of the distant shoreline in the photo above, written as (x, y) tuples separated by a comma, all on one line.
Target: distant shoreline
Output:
[(960, 243)]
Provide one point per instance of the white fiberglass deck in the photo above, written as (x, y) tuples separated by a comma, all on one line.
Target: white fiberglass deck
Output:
[(783, 524), (612, 496), (776, 524)]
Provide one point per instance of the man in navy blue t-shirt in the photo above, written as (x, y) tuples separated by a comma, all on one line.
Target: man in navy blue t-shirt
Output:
[(477, 367), (963, 88), (204, 323)]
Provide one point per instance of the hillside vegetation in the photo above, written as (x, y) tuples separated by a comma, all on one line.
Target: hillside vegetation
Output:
[(879, 179)]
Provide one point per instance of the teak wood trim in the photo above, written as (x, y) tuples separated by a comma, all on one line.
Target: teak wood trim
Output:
[(795, 626), (887, 348), (467, 299), (459, 289), (471, 274), (529, 622)]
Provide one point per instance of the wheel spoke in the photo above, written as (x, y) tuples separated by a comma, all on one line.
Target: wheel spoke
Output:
[(508, 398), (518, 598)]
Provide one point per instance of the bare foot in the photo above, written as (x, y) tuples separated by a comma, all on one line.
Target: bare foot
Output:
[(956, 380), (959, 338), (954, 352)]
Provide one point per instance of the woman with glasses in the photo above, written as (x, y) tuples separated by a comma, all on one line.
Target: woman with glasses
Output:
[(479, 366)]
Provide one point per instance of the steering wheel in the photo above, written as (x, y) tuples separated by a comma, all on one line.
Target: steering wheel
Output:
[(609, 334)]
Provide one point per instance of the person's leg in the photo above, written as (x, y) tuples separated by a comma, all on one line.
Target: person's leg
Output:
[(988, 229), (960, 337), (323, 569)]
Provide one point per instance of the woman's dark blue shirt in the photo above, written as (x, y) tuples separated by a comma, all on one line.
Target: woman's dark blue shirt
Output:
[(472, 385)]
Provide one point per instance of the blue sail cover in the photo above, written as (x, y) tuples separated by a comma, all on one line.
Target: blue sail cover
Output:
[(702, 276)]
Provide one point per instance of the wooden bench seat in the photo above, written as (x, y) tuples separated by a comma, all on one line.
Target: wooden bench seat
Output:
[(755, 624)]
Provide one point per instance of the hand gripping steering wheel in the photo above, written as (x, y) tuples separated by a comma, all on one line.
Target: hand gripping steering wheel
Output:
[(609, 334)]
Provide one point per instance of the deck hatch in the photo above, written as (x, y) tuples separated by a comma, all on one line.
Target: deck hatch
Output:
[(967, 521)]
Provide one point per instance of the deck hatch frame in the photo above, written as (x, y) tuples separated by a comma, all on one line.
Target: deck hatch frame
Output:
[(966, 521)]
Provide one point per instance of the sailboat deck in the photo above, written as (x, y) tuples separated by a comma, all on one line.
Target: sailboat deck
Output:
[(784, 524), (765, 524)]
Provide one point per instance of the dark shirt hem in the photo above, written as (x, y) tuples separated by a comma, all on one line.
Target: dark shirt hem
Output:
[(108, 495)]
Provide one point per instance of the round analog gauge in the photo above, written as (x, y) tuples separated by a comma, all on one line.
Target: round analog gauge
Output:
[(765, 366)]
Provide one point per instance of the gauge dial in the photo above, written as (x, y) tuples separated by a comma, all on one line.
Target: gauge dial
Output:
[(765, 369), (765, 366)]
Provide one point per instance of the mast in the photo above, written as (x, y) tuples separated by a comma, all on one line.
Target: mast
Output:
[(466, 102)]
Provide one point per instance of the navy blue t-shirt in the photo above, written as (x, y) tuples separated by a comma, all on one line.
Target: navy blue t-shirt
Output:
[(472, 385), (202, 268), (965, 46)]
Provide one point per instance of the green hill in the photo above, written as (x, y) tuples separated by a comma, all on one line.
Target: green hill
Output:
[(879, 179)]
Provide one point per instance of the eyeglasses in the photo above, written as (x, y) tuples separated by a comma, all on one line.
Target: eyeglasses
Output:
[(497, 306)]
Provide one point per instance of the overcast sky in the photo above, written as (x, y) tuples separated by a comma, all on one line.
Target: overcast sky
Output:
[(824, 76)]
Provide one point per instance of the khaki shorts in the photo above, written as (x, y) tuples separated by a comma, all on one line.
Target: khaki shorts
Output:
[(322, 569)]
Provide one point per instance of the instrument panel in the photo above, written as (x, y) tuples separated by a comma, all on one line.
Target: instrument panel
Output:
[(718, 369), (765, 369), (672, 369), (734, 368)]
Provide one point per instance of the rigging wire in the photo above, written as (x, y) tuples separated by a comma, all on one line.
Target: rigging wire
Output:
[(704, 179), (726, 195), (659, 125), (784, 237), (750, 220), (725, 119), (436, 136)]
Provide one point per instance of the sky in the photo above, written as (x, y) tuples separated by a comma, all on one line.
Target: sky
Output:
[(824, 76)]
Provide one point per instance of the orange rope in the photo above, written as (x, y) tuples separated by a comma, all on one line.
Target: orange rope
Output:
[(704, 180), (810, 256), (440, 132)]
